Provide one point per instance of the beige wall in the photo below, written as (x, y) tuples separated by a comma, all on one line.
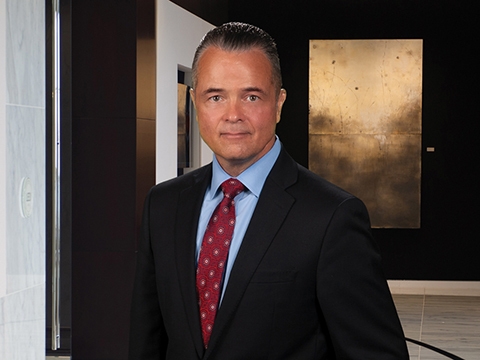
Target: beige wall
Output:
[(176, 44)]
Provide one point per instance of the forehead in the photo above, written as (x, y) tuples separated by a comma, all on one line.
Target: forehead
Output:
[(224, 65)]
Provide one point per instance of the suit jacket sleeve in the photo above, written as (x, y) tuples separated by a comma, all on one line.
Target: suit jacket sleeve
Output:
[(352, 290), (148, 338)]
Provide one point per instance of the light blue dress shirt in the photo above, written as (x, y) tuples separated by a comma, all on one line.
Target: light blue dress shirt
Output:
[(253, 178)]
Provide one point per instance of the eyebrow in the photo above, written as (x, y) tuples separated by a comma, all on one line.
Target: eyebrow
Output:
[(247, 89), (212, 90), (253, 89)]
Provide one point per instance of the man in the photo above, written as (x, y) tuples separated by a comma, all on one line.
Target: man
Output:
[(301, 277)]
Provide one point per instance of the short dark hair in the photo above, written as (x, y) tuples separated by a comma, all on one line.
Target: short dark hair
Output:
[(236, 36)]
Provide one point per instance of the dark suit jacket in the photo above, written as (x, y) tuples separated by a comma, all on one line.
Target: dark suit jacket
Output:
[(307, 282)]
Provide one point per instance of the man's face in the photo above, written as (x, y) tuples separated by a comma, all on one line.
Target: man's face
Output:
[(237, 105)]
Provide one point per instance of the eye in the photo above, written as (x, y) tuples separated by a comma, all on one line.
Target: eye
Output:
[(252, 98), (215, 98)]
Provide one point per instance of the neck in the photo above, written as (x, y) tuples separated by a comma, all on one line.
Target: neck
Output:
[(234, 170)]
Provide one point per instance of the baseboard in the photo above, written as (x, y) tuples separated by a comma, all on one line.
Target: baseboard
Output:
[(420, 287)]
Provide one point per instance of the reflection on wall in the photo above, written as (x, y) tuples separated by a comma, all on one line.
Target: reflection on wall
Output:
[(183, 142), (146, 106), (365, 103)]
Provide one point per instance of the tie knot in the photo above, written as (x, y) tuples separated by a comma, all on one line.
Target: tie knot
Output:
[(232, 187)]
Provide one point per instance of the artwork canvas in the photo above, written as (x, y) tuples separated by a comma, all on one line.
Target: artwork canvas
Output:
[(365, 123)]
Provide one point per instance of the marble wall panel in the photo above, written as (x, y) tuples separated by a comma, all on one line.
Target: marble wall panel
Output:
[(25, 53), (25, 235), (3, 177), (22, 324), (22, 102)]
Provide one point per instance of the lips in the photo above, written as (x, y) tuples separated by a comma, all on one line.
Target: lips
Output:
[(234, 132), (234, 135)]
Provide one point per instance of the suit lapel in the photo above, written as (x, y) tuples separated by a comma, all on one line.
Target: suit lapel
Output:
[(189, 207), (272, 208)]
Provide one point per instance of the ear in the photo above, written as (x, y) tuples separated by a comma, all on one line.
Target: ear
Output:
[(281, 100), (192, 96)]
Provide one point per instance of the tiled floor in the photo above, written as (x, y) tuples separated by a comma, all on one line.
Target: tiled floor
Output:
[(451, 323)]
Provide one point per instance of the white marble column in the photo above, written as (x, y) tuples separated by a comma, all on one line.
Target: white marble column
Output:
[(22, 148)]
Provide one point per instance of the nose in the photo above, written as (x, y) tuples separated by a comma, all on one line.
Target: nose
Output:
[(234, 111)]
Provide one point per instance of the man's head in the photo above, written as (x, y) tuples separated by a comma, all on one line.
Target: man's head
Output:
[(235, 36), (237, 94)]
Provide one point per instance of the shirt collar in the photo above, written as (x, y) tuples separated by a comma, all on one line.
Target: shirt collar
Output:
[(253, 177)]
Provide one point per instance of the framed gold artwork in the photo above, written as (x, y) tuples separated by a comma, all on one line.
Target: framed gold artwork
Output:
[(365, 123)]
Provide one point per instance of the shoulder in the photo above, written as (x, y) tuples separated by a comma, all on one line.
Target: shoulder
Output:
[(314, 192), (316, 185), (305, 185)]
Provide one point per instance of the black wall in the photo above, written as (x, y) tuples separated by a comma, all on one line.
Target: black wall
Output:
[(447, 245), (103, 73)]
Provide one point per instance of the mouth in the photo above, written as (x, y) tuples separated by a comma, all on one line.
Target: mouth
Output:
[(234, 135)]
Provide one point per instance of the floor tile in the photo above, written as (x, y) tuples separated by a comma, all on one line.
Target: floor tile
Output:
[(450, 323)]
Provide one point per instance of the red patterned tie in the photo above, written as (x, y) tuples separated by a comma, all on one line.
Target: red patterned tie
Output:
[(213, 256)]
